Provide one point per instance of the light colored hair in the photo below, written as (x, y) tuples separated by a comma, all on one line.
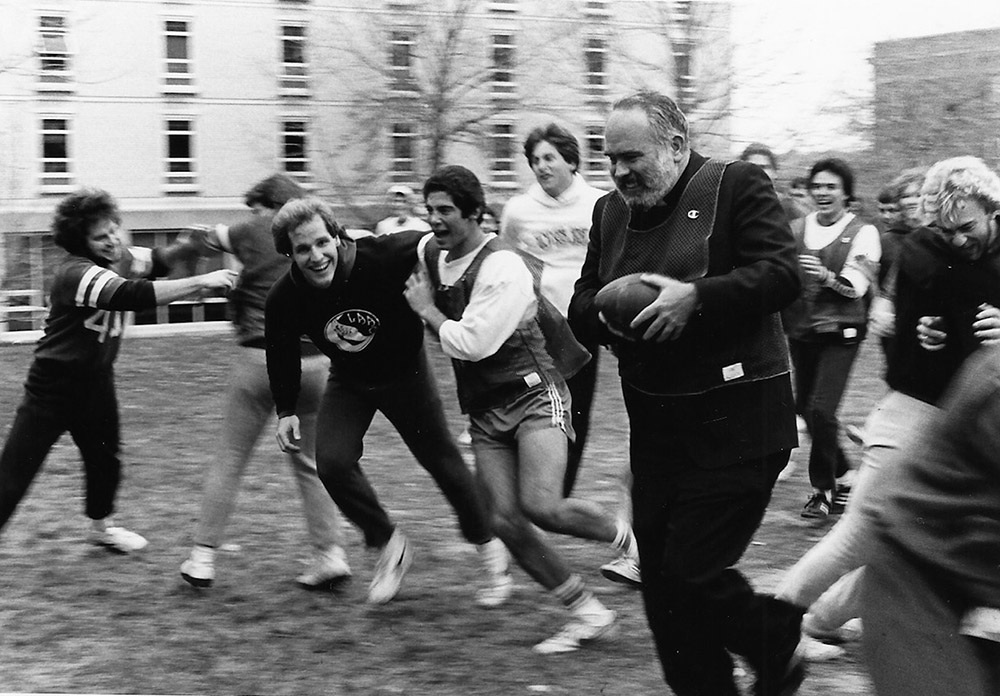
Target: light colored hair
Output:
[(954, 180)]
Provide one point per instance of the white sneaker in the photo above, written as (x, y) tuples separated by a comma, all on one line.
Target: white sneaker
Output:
[(496, 560), (390, 569), (199, 569), (850, 632), (327, 569), (624, 569), (817, 651), (579, 632), (118, 539)]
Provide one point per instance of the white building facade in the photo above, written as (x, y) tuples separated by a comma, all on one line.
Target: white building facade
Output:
[(178, 106)]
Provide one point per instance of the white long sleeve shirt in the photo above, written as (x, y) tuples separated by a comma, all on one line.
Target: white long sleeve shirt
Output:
[(502, 298)]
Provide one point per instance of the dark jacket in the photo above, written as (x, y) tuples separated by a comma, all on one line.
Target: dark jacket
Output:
[(752, 273), (933, 281)]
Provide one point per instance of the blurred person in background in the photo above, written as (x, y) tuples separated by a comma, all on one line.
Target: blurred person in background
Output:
[(764, 157), (249, 405), (930, 601), (71, 382), (838, 258), (947, 293), (403, 216)]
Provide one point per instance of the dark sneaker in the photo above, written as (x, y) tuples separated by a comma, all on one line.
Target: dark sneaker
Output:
[(817, 508), (840, 498), (788, 680)]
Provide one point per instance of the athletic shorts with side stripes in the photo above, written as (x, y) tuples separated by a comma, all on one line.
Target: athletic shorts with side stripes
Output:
[(547, 406)]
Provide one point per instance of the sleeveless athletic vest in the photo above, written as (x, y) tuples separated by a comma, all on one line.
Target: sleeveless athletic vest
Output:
[(678, 248), (821, 310), (541, 351)]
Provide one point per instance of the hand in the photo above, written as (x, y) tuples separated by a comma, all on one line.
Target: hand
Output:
[(669, 312), (930, 333), (288, 433), (986, 327), (814, 268), (882, 317), (419, 293), (198, 237), (223, 279)]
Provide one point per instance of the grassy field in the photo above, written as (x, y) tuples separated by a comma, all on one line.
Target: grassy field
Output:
[(74, 618)]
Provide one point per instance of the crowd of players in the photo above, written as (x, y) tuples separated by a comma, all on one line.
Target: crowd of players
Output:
[(762, 300)]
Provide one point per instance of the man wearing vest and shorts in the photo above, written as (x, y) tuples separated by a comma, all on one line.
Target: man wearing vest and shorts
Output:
[(511, 350), (705, 379)]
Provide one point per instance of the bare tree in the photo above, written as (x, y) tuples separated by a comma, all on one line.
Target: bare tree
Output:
[(436, 71)]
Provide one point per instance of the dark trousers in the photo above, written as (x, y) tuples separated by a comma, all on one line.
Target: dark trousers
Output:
[(414, 408), (911, 614), (692, 524), (581, 389), (84, 405), (821, 374)]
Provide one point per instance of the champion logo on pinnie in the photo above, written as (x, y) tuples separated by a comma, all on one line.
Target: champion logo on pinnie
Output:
[(352, 330)]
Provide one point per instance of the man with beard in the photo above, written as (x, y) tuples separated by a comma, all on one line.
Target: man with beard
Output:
[(705, 378)]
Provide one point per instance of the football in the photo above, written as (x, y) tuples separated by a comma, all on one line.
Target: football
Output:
[(621, 299)]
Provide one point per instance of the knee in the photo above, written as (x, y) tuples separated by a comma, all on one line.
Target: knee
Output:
[(511, 527), (332, 466)]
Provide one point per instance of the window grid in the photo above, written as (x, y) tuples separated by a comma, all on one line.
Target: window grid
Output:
[(53, 51), (503, 64), (596, 162), (180, 161), (177, 47), (401, 44), (55, 167), (597, 7), (404, 158), (596, 66), (503, 7), (295, 148), (294, 65), (503, 148)]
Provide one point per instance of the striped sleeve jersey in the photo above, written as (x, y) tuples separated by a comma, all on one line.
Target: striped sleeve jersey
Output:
[(87, 306)]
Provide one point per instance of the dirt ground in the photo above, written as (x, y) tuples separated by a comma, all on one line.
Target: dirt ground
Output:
[(76, 619)]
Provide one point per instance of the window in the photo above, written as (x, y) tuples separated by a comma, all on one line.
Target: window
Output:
[(596, 162), (294, 66), (595, 58), (53, 53), (403, 152), (177, 38), (502, 7), (597, 7), (294, 148), (401, 60), (180, 174), (55, 170), (502, 149), (502, 68)]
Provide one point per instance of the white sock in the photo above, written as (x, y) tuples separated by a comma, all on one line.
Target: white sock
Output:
[(624, 538)]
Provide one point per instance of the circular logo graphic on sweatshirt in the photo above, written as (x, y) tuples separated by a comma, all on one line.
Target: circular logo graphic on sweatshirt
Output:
[(351, 330)]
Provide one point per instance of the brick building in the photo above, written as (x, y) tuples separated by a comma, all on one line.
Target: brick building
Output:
[(936, 97)]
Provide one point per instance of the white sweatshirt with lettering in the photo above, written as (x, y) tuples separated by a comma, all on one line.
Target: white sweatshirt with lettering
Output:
[(555, 230)]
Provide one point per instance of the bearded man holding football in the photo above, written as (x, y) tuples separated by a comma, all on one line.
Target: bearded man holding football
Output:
[(347, 297), (706, 383)]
